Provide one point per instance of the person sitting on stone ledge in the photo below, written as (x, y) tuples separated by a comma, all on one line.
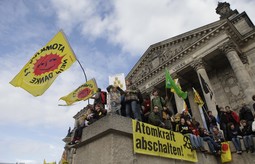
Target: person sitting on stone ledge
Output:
[(234, 134), (176, 122), (207, 137), (210, 120), (232, 117), (185, 129), (83, 122), (155, 119), (167, 114), (218, 136), (97, 113), (223, 120), (246, 131), (186, 115), (196, 141)]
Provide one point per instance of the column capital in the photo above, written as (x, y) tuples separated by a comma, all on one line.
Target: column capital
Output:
[(227, 47), (198, 64)]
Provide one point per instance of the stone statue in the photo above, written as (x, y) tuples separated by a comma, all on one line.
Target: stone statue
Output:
[(224, 10)]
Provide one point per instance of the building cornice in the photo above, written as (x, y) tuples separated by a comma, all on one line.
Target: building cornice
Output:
[(205, 34)]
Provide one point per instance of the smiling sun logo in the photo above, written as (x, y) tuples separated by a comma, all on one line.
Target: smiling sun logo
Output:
[(47, 63), (84, 93)]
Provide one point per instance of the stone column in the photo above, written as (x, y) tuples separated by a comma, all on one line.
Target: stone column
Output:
[(194, 107), (198, 65), (242, 75)]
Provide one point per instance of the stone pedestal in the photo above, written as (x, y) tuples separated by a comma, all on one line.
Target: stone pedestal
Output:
[(110, 141)]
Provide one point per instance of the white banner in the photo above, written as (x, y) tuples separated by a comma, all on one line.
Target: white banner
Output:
[(118, 80)]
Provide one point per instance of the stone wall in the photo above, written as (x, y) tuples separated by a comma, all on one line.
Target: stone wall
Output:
[(226, 88), (109, 141)]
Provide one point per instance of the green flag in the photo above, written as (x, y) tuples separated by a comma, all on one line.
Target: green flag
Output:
[(171, 84)]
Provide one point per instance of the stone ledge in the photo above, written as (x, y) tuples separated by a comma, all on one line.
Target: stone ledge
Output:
[(109, 140), (111, 123)]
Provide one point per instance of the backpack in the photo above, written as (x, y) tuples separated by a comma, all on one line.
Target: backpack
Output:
[(103, 97)]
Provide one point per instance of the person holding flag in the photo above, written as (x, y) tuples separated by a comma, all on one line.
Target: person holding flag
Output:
[(157, 101)]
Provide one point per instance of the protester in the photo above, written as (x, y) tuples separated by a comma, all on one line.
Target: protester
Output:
[(183, 127), (218, 136), (196, 141), (246, 114), (234, 134), (246, 131), (83, 122), (97, 113), (186, 115), (207, 137), (139, 103), (232, 116), (100, 97), (154, 117), (131, 100), (166, 116), (114, 100), (146, 108), (210, 121), (223, 120), (175, 120), (158, 101)]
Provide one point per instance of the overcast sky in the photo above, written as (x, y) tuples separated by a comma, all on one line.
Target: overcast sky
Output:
[(107, 37)]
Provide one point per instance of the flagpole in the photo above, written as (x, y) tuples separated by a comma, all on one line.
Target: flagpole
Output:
[(83, 73), (203, 116), (82, 70), (75, 57)]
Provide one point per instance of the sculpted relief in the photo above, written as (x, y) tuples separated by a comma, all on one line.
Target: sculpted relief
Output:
[(161, 54), (231, 88)]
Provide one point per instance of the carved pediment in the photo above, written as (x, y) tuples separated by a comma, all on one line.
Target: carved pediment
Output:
[(168, 50)]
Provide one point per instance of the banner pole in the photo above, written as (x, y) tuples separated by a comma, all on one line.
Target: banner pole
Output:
[(82, 70), (83, 73)]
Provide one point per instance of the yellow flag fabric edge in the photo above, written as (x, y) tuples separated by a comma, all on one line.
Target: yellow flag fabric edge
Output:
[(71, 97), (18, 80)]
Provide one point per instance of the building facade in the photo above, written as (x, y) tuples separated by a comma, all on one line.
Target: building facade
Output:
[(220, 54), (217, 59)]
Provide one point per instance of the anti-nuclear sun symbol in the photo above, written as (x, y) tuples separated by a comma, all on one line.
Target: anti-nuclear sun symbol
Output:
[(47, 63), (84, 93)]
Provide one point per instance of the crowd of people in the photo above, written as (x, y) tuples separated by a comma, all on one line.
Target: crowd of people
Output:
[(226, 126)]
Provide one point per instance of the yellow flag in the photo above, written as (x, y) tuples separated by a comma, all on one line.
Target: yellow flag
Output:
[(197, 98), (185, 107), (46, 64), (83, 92)]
